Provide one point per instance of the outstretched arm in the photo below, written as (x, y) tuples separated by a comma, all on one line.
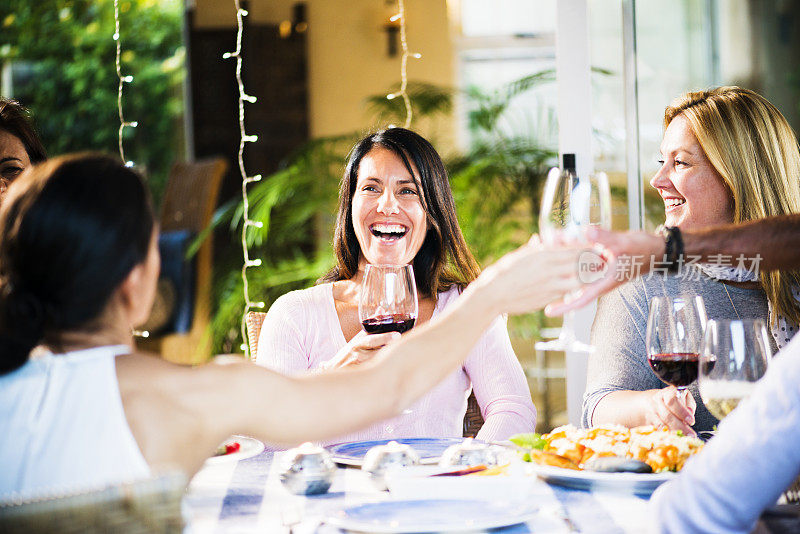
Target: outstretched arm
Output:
[(776, 240), (164, 404)]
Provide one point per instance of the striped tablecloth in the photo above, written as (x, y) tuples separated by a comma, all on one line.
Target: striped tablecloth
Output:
[(247, 496)]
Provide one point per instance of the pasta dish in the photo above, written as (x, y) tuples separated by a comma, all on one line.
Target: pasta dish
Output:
[(571, 447)]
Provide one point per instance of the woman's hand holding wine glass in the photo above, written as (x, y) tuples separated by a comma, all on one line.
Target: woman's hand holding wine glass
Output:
[(675, 329), (672, 408), (360, 349)]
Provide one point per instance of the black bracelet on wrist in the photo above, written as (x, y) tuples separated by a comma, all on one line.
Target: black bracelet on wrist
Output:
[(673, 251)]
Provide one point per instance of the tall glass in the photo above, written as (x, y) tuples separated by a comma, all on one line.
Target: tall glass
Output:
[(388, 303), (674, 338), (735, 356), (570, 204)]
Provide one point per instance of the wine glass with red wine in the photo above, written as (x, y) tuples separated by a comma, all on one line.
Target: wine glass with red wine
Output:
[(388, 304), (388, 299), (675, 330)]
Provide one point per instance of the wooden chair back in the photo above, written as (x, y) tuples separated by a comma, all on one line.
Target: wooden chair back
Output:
[(473, 419), (189, 203), (191, 195)]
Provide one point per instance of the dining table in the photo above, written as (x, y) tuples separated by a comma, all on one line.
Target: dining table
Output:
[(245, 494)]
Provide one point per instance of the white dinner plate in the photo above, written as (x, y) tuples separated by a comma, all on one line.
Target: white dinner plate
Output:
[(248, 447), (394, 517), (636, 483)]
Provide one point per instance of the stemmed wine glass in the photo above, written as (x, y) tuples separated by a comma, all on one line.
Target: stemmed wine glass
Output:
[(388, 303), (388, 299), (675, 329), (570, 204), (735, 356)]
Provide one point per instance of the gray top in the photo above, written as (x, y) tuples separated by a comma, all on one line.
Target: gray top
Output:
[(618, 333)]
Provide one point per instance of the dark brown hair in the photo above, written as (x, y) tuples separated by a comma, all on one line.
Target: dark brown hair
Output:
[(71, 229), (16, 120), (444, 258)]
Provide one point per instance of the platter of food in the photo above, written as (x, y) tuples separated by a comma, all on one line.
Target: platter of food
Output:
[(611, 457)]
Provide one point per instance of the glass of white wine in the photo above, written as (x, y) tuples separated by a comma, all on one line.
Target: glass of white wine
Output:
[(570, 204), (735, 356)]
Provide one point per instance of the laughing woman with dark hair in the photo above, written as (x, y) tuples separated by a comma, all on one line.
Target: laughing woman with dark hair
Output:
[(396, 208)]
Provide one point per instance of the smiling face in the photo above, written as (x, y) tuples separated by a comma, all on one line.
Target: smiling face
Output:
[(694, 193), (389, 220), (13, 159)]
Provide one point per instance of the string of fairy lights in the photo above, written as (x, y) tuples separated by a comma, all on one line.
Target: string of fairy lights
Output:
[(122, 81), (401, 16), (246, 180)]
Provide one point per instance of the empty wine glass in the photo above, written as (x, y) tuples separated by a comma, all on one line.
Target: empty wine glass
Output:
[(675, 328), (388, 303), (735, 356), (570, 204)]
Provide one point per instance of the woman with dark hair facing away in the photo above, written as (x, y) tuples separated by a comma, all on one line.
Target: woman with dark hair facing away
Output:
[(20, 147), (78, 268), (396, 208)]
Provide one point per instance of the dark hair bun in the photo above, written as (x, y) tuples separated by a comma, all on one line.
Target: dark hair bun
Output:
[(71, 230), (23, 318)]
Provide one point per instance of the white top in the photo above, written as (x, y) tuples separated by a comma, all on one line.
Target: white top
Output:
[(63, 427), (302, 330), (753, 458)]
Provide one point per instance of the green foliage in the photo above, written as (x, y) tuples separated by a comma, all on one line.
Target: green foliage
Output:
[(530, 440), (64, 56), (296, 206), (427, 100)]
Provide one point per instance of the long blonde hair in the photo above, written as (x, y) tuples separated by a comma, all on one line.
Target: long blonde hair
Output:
[(754, 149)]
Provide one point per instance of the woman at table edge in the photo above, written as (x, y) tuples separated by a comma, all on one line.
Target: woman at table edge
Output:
[(396, 208), (754, 456), (78, 268)]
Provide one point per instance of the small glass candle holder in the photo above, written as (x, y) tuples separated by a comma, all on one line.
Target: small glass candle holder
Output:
[(381, 458), (470, 453), (308, 470)]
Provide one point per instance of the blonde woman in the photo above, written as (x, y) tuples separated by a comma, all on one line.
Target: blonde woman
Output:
[(727, 156)]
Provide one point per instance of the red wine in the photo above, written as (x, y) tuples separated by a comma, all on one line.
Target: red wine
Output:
[(388, 323), (676, 368)]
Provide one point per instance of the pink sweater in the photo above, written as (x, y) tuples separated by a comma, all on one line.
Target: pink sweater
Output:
[(302, 330)]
